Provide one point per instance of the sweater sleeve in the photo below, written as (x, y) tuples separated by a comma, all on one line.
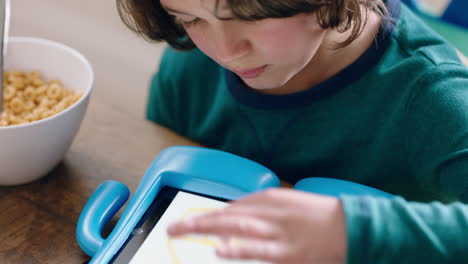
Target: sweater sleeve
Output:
[(400, 231), (388, 231)]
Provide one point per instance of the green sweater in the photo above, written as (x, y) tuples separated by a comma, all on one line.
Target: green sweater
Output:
[(396, 120)]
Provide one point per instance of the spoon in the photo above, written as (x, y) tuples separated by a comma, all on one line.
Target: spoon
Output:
[(4, 26)]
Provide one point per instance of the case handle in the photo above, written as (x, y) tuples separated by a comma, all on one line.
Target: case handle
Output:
[(103, 204)]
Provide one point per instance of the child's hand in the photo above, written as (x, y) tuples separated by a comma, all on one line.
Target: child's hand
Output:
[(276, 226)]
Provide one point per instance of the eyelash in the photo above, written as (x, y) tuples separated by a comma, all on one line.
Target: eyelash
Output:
[(190, 23)]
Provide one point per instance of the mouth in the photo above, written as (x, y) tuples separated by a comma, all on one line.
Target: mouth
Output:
[(251, 73)]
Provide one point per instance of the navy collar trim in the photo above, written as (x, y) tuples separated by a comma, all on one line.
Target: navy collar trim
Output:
[(348, 75)]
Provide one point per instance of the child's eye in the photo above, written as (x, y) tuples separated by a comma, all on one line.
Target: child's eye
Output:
[(191, 22)]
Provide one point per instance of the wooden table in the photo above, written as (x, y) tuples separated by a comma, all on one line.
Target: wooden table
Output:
[(38, 220)]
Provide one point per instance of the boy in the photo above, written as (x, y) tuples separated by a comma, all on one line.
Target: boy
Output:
[(358, 90)]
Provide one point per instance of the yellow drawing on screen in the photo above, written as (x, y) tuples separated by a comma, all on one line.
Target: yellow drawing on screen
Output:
[(201, 240)]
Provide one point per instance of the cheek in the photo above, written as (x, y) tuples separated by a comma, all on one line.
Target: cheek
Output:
[(202, 41), (289, 41), (273, 46)]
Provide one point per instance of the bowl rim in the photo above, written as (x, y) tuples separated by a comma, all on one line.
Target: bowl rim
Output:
[(74, 52)]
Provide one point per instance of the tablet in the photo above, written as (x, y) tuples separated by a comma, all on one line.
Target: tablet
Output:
[(173, 188), (149, 242)]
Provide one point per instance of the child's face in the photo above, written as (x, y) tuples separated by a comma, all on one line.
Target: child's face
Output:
[(266, 54)]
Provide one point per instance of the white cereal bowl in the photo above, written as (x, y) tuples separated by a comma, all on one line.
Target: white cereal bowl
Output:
[(29, 151)]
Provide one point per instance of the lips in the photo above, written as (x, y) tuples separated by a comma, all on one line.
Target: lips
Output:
[(251, 73)]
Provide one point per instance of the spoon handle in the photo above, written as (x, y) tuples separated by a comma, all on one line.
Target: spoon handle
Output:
[(4, 26)]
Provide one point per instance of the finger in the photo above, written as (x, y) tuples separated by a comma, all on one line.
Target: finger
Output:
[(258, 197), (263, 250), (262, 212), (225, 225), (229, 225), (271, 197)]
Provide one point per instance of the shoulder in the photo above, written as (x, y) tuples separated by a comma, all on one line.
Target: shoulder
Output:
[(424, 69), (443, 86), (184, 85), (415, 56), (186, 65), (185, 77), (416, 42)]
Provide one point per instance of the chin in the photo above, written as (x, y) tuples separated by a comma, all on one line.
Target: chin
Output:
[(266, 81), (264, 86)]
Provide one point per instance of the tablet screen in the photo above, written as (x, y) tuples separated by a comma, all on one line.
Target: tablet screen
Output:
[(149, 242)]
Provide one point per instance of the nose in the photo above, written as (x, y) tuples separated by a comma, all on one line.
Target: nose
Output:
[(230, 44)]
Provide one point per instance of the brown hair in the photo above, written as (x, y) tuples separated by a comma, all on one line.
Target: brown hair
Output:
[(149, 19)]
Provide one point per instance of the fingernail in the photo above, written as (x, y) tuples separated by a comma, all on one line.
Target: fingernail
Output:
[(171, 228), (174, 228)]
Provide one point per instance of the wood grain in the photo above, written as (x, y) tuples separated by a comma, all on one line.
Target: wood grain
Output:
[(38, 220)]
